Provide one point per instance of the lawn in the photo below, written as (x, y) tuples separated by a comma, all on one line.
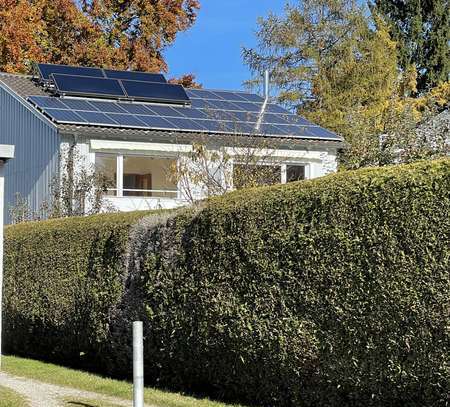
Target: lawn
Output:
[(9, 398), (50, 373)]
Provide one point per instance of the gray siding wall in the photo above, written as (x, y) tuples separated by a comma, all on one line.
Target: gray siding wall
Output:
[(36, 151)]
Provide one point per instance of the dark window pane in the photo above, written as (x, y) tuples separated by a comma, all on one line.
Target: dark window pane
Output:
[(295, 173)]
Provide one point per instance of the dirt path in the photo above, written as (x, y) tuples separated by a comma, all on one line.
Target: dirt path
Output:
[(41, 394)]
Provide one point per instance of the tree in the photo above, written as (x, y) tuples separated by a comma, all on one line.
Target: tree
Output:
[(335, 64), (188, 81), (422, 31), (112, 33), (210, 170)]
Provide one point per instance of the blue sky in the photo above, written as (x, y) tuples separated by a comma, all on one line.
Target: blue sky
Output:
[(211, 49)]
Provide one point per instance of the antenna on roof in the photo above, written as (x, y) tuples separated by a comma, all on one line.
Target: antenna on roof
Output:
[(266, 100), (266, 84)]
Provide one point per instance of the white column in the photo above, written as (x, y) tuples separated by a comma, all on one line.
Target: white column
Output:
[(138, 364), (119, 175), (283, 173)]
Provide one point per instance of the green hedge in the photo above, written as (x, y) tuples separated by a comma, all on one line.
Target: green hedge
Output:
[(62, 277), (331, 292)]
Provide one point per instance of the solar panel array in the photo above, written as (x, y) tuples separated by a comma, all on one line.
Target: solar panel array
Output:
[(210, 112), (46, 70), (110, 84)]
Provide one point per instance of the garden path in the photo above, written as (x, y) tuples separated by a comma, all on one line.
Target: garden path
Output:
[(39, 394)]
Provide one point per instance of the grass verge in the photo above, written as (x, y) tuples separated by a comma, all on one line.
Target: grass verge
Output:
[(9, 398), (61, 376)]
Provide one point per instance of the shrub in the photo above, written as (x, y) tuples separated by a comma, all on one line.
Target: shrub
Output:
[(330, 292), (62, 278)]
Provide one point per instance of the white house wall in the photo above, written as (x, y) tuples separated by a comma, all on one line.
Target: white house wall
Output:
[(36, 143), (318, 162)]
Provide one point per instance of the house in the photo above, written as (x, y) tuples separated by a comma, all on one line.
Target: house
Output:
[(135, 125)]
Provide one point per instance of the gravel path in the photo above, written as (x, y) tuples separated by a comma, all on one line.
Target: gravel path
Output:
[(41, 394)]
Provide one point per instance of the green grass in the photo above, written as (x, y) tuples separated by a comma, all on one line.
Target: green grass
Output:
[(9, 398), (50, 373)]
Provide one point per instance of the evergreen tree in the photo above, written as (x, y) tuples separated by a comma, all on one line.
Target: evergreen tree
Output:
[(422, 31)]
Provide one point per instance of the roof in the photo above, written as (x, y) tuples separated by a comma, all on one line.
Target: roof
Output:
[(24, 86)]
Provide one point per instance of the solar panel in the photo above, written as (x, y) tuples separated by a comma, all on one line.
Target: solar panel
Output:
[(156, 122), (87, 86), (230, 96), (64, 116), (190, 112), (76, 104), (96, 118), (251, 97), (200, 104), (156, 110), (248, 107), (135, 76), (214, 126), (107, 107), (134, 108), (272, 108), (186, 124), (46, 102), (158, 92), (201, 94), (126, 120), (46, 70), (153, 116)]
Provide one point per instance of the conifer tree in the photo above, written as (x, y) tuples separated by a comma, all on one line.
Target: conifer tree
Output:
[(422, 31)]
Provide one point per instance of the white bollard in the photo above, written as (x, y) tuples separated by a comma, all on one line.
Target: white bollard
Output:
[(138, 364)]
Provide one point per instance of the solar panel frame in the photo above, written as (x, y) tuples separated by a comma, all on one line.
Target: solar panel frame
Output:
[(184, 123), (229, 96), (135, 76), (46, 102), (108, 107), (98, 118), (88, 86), (77, 104), (156, 122), (46, 70), (134, 108), (153, 91), (126, 120), (64, 116)]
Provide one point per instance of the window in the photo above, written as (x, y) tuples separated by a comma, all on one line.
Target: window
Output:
[(137, 176), (147, 176), (245, 176), (295, 173), (107, 164)]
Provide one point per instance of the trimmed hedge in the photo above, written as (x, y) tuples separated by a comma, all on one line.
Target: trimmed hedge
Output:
[(62, 277), (330, 292)]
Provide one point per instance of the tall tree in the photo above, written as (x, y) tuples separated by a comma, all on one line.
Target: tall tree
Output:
[(110, 33), (422, 31)]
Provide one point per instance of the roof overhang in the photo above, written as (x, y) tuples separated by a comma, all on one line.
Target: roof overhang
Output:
[(6, 152)]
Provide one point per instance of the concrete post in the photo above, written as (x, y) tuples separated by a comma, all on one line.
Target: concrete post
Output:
[(138, 364)]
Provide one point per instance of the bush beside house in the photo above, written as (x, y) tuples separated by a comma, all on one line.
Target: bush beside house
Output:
[(331, 292)]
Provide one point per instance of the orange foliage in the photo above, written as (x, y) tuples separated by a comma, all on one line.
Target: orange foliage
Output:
[(119, 34), (188, 81)]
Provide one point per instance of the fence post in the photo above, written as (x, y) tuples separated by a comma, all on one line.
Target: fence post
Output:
[(138, 364)]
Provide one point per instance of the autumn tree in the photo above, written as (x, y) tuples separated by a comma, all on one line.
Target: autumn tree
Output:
[(188, 81), (112, 33), (336, 64), (422, 32)]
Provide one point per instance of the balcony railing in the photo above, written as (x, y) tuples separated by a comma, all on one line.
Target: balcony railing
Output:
[(143, 193)]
